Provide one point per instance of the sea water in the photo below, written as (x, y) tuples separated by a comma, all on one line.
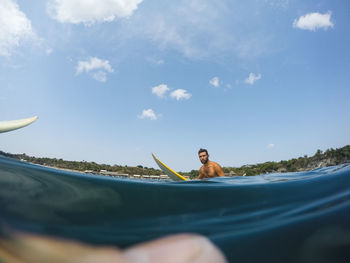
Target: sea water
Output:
[(277, 217)]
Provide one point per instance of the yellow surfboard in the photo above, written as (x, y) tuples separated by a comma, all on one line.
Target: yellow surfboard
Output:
[(168, 171)]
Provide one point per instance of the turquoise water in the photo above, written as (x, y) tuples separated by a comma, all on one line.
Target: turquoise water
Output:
[(293, 217)]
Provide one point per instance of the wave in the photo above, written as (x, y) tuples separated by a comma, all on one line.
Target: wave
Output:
[(289, 217)]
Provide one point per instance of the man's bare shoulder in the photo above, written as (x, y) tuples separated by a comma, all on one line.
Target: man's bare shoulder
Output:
[(218, 169), (214, 164)]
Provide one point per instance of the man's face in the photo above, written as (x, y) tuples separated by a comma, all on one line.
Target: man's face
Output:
[(203, 157)]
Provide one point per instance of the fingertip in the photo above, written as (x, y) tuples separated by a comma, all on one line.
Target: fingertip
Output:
[(180, 248)]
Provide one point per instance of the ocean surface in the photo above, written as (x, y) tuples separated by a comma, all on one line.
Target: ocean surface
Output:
[(289, 217)]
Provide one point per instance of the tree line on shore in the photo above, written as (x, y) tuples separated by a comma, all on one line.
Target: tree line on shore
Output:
[(321, 159), (84, 166)]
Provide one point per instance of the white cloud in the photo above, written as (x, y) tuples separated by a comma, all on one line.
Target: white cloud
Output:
[(97, 66), (100, 76), (270, 146), (199, 20), (160, 90), (90, 11), (15, 27), (48, 51), (180, 94), (278, 4), (252, 78), (155, 61), (159, 62), (148, 114), (313, 21), (228, 86), (214, 82), (204, 29), (92, 64)]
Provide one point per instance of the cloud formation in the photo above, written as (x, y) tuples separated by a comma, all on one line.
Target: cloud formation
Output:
[(270, 146), (148, 114), (278, 4), (214, 82), (100, 76), (15, 27), (156, 61), (204, 29), (180, 94), (252, 78), (98, 67), (92, 11), (160, 90), (313, 21)]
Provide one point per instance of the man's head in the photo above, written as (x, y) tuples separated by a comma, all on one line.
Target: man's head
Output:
[(203, 155)]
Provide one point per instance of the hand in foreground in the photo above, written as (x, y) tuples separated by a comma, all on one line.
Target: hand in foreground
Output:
[(179, 248)]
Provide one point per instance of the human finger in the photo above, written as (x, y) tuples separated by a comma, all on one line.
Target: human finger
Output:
[(181, 248)]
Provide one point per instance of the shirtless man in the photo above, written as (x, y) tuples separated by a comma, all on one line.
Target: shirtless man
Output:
[(209, 169)]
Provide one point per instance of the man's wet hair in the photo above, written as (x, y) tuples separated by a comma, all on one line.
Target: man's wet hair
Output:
[(202, 151)]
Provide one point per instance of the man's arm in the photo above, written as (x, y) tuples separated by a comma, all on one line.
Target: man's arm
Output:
[(219, 170), (200, 174)]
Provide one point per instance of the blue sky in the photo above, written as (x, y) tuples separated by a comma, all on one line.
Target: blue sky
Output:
[(114, 80)]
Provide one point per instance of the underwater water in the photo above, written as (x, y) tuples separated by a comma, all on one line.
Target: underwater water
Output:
[(290, 217)]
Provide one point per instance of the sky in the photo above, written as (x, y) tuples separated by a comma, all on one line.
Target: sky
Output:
[(113, 81)]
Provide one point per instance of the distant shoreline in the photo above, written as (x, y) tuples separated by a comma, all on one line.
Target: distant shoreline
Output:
[(329, 157), (104, 173)]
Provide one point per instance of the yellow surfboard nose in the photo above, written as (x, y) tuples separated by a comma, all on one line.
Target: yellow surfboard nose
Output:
[(168, 171)]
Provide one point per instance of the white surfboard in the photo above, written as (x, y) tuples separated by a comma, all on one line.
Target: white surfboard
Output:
[(6, 126), (168, 171)]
